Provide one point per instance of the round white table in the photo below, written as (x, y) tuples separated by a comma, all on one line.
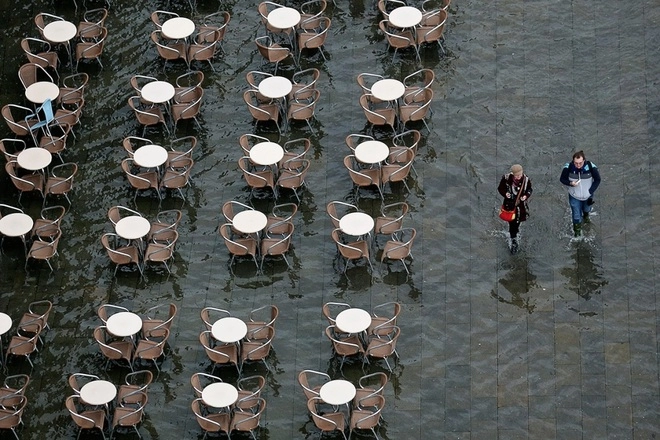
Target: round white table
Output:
[(132, 227), (16, 224), (124, 324), (353, 320), (250, 221), (275, 87), (34, 158), (337, 392), (5, 326), (219, 394), (157, 92), (356, 223), (5, 323), (60, 31), (405, 17), (388, 89), (150, 156), (228, 330), (266, 153), (283, 18), (372, 152), (178, 27), (40, 91), (98, 392)]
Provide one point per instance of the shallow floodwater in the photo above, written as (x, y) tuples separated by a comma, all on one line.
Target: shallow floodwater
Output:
[(558, 341)]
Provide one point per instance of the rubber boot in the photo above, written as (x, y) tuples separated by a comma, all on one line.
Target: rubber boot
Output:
[(577, 229), (514, 245), (585, 217)]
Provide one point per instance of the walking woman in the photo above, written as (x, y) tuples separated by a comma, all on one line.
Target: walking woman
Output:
[(510, 186)]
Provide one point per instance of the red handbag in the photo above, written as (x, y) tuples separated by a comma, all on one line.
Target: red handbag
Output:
[(507, 216), (510, 215)]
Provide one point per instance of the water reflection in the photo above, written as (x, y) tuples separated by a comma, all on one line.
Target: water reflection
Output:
[(514, 288), (584, 277)]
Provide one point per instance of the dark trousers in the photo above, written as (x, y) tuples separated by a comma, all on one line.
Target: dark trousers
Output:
[(514, 227)]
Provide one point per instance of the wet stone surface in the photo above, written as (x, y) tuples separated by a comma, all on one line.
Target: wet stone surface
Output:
[(556, 341)]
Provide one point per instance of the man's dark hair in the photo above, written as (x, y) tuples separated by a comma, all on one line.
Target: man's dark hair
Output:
[(579, 154)]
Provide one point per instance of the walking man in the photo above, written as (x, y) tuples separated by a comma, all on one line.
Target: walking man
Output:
[(582, 179)]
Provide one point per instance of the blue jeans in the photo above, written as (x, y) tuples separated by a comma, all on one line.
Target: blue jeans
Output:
[(577, 208)]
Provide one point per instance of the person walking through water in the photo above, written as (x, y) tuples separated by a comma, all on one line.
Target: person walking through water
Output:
[(582, 178), (510, 185)]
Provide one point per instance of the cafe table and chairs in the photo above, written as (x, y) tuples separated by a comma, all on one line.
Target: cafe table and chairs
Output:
[(34, 159), (157, 92), (41, 91), (284, 19), (229, 329), (249, 221), (5, 326), (405, 17), (124, 325), (277, 88), (16, 224), (266, 153), (220, 395), (389, 90), (150, 156), (178, 28), (61, 32), (337, 392), (371, 152), (98, 393)]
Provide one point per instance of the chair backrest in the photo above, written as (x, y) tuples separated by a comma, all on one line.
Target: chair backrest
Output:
[(311, 382), (11, 147), (42, 56), (333, 210), (347, 251), (363, 418), (217, 424), (208, 315), (200, 380), (159, 17), (358, 178), (325, 422), (266, 314), (156, 313), (78, 380), (234, 247), (116, 213), (106, 310), (331, 309), (30, 73), (17, 125)]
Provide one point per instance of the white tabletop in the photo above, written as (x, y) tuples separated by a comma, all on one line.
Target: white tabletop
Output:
[(132, 227), (178, 27), (228, 330), (219, 394), (40, 91), (98, 392), (16, 224), (34, 158), (266, 153), (337, 392), (5, 323), (372, 152), (405, 17), (150, 156), (275, 86), (60, 31), (283, 18), (157, 92), (388, 89), (356, 223), (250, 221), (124, 324), (353, 320)]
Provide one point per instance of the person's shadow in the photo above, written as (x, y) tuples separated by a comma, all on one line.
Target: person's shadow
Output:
[(584, 277), (515, 286)]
